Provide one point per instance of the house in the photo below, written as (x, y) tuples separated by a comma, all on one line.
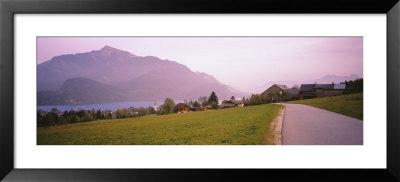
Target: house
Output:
[(182, 108), (155, 107), (205, 108), (42, 112), (321, 90), (197, 109), (231, 103), (278, 93), (113, 115)]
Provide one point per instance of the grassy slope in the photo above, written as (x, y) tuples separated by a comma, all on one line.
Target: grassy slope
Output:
[(249, 125), (350, 105)]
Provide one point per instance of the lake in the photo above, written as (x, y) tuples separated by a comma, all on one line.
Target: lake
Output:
[(113, 106)]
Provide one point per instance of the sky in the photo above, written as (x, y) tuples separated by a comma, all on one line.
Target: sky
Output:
[(245, 63)]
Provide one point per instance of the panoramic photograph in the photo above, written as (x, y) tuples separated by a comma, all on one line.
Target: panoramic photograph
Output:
[(199, 90)]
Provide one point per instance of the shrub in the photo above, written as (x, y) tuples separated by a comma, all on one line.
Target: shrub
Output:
[(196, 104), (74, 119), (87, 117), (254, 100), (142, 111), (214, 105), (355, 86)]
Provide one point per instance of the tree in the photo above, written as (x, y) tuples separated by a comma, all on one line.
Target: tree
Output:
[(142, 111), (131, 111), (355, 86), (41, 119), (190, 104), (265, 99), (214, 105), (108, 114), (98, 114), (93, 113), (233, 98), (124, 113), (118, 114), (74, 119), (213, 98), (81, 113), (196, 104), (254, 99), (64, 117), (54, 110), (49, 119), (151, 110), (295, 86), (65, 114), (87, 117), (203, 101), (244, 101), (167, 107), (72, 113), (53, 117)]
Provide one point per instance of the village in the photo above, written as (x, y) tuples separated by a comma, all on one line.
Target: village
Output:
[(274, 94)]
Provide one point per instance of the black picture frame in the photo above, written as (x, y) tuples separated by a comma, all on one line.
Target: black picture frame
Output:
[(9, 8)]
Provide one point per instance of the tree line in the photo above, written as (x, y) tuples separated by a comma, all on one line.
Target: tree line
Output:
[(255, 99), (55, 117), (354, 86)]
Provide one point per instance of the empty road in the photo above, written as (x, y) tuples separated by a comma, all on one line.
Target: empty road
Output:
[(306, 125)]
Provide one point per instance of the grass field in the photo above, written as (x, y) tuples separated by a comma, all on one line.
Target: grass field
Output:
[(236, 126), (349, 105)]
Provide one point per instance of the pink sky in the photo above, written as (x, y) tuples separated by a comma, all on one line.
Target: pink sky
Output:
[(245, 63)]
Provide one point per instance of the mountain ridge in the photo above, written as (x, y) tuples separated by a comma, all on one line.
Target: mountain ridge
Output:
[(132, 77)]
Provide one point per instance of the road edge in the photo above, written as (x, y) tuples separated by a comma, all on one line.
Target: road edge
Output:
[(277, 125)]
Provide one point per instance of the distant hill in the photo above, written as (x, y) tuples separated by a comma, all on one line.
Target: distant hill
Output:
[(336, 79), (81, 91), (111, 75)]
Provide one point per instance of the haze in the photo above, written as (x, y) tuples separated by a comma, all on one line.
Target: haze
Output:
[(245, 63)]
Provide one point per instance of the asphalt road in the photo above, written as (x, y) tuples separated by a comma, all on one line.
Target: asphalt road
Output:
[(306, 125)]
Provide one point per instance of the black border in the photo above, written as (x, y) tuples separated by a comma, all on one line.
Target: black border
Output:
[(8, 8)]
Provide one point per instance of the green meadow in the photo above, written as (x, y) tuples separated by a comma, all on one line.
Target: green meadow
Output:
[(349, 105), (236, 126)]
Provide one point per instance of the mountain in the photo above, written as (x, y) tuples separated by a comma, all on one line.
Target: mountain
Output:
[(180, 83), (112, 75), (82, 91), (107, 65), (336, 79)]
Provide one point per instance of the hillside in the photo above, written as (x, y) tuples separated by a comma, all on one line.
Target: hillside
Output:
[(121, 75), (350, 105), (82, 91)]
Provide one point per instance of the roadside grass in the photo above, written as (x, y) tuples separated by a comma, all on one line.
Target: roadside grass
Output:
[(349, 105), (236, 126)]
